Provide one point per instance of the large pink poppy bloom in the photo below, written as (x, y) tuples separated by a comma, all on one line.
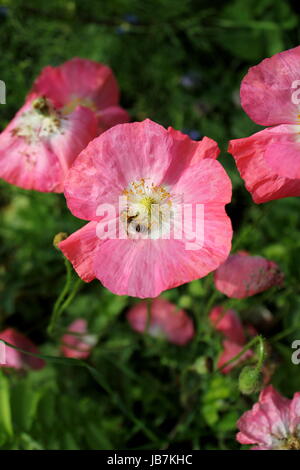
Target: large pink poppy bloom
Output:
[(14, 359), (67, 107), (229, 324), (269, 161), (165, 321), (272, 423), (243, 275), (150, 166), (77, 343)]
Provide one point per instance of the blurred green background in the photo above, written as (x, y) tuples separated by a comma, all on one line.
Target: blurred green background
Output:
[(180, 63)]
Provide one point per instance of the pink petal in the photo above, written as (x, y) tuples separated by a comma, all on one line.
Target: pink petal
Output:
[(253, 157), (144, 268), (127, 153), (295, 413), (110, 117), (78, 78), (242, 276), (231, 350), (175, 324), (266, 91), (76, 346), (228, 323), (80, 249), (42, 164), (16, 359)]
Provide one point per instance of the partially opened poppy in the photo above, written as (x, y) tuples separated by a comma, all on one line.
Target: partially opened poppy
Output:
[(269, 161), (150, 167), (15, 359), (272, 423), (165, 321), (77, 342), (243, 275), (67, 107)]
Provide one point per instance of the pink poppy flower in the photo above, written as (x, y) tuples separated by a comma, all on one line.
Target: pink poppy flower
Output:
[(165, 321), (67, 107), (243, 275), (150, 166), (77, 343), (229, 324), (269, 161), (83, 82), (15, 359), (272, 423)]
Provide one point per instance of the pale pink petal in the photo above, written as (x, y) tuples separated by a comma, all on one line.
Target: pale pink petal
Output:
[(80, 249), (263, 176), (266, 91)]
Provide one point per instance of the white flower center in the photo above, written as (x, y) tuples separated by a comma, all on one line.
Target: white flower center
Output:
[(147, 210), (38, 122)]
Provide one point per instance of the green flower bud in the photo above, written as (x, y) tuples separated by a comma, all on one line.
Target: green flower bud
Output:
[(59, 237), (249, 380)]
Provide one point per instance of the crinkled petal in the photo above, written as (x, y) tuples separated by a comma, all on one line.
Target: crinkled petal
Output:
[(267, 89), (260, 171)]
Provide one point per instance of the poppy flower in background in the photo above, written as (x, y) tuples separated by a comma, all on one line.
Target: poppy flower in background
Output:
[(150, 166), (243, 275), (67, 107), (229, 324), (166, 321), (269, 161), (15, 359), (83, 82), (77, 342), (272, 423)]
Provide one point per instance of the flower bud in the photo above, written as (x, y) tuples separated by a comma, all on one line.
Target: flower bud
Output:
[(59, 237), (249, 380)]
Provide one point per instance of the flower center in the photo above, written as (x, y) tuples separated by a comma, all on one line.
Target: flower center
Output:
[(40, 121), (292, 442), (147, 209), (78, 101)]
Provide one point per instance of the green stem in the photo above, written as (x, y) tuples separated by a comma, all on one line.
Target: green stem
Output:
[(65, 297), (261, 352)]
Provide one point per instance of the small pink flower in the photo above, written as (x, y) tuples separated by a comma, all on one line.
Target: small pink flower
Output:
[(165, 321), (151, 166), (80, 344), (229, 324), (15, 359), (67, 107), (243, 275), (272, 423), (269, 161)]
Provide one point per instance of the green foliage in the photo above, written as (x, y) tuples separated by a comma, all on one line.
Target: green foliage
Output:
[(180, 63)]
